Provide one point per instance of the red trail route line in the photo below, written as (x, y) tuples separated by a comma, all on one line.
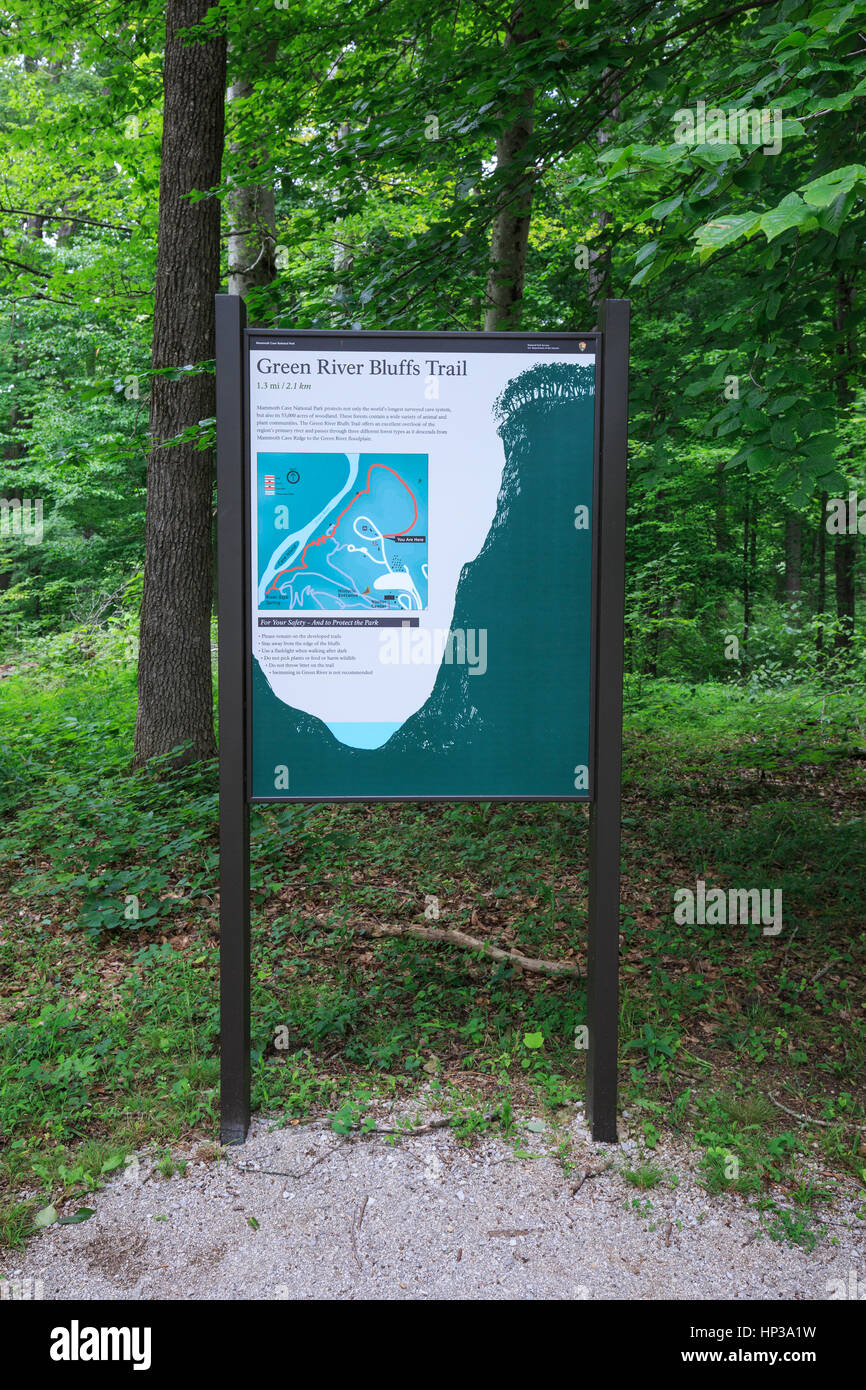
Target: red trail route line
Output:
[(329, 534)]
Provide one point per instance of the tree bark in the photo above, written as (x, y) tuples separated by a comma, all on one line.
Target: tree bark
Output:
[(822, 578), (844, 561), (793, 564), (599, 276), (175, 701), (343, 258), (509, 236), (252, 244), (844, 547), (747, 585)]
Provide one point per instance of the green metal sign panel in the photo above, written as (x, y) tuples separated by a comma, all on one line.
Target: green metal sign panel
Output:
[(421, 555)]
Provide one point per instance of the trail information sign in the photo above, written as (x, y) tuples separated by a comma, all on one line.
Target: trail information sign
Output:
[(420, 560), (421, 565)]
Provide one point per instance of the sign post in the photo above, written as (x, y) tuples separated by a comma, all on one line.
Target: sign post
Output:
[(420, 584), (602, 1002), (233, 780)]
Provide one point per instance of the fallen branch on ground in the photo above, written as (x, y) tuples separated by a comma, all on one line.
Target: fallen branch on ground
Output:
[(472, 943), (809, 1119), (356, 1226)]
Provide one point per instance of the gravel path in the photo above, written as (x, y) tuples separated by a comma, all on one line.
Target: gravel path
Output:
[(362, 1218)]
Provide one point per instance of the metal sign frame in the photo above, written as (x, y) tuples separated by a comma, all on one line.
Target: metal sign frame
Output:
[(611, 342)]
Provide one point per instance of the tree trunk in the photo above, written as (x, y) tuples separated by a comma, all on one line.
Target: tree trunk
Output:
[(252, 244), (14, 450), (747, 586), (844, 547), (793, 564), (343, 258), (509, 236), (822, 578), (175, 701), (844, 561), (598, 280)]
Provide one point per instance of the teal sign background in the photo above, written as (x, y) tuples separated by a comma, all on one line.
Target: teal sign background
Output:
[(522, 728)]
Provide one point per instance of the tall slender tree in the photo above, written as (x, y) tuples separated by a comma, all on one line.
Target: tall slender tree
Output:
[(250, 204), (509, 233), (175, 703)]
